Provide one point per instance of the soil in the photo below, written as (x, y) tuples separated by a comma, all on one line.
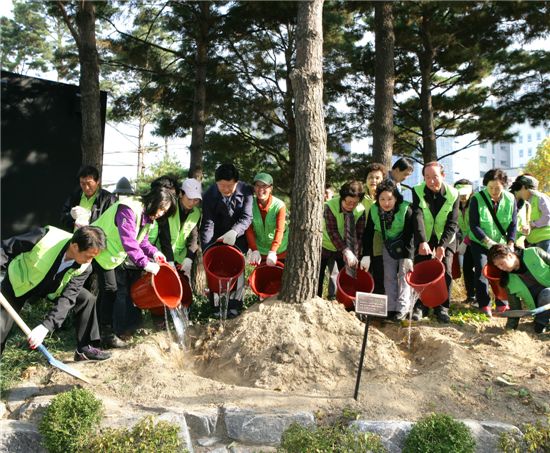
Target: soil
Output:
[(277, 355)]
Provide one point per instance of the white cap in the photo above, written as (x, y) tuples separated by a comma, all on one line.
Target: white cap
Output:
[(192, 188)]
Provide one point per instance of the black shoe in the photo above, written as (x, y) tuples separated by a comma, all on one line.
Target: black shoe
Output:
[(232, 313), (443, 316), (90, 353), (540, 328), (113, 342)]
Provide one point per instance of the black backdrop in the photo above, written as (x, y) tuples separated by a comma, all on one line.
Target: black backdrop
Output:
[(40, 150)]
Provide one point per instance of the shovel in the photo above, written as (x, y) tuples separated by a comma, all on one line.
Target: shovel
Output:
[(51, 360), (521, 313)]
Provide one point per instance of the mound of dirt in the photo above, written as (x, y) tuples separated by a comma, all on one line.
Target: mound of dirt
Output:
[(313, 346)]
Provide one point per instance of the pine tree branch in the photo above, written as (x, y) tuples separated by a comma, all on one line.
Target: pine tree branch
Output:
[(68, 22)]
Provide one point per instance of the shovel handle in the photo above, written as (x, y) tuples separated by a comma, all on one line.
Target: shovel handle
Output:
[(18, 320)]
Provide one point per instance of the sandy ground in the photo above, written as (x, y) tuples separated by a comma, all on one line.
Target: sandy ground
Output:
[(277, 355)]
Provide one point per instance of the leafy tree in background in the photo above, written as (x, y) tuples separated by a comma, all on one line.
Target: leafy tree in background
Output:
[(539, 165)]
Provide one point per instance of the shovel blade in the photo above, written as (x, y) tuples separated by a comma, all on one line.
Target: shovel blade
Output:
[(62, 366)]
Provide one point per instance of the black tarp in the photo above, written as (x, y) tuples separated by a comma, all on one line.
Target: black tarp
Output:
[(40, 150)]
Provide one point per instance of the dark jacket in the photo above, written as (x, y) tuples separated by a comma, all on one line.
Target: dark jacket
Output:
[(435, 201), (217, 218), (19, 244), (102, 202)]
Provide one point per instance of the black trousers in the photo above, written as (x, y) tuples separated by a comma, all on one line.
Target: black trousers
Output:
[(329, 262), (106, 298), (86, 325)]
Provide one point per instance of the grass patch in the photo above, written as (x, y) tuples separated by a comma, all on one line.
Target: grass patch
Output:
[(536, 439)]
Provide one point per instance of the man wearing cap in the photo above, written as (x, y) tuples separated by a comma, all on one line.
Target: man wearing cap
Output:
[(181, 230), (87, 202), (267, 236), (227, 214)]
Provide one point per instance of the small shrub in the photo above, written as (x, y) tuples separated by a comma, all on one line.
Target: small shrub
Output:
[(328, 439), (536, 439), (69, 419), (439, 433), (144, 437)]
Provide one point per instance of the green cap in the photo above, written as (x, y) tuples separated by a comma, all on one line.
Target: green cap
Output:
[(265, 178)]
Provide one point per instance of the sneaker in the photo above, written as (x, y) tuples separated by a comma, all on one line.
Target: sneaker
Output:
[(417, 314), (541, 328), (90, 353), (487, 311), (502, 308), (443, 316), (232, 313), (113, 342)]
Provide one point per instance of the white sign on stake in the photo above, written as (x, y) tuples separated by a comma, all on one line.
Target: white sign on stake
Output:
[(371, 304)]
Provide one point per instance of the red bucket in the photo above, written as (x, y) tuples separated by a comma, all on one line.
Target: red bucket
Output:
[(152, 291), (493, 273), (265, 281), (347, 286), (428, 279), (186, 298), (222, 263)]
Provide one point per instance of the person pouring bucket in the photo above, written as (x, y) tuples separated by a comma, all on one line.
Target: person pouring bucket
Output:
[(267, 236), (344, 223), (392, 217), (435, 204), (227, 214)]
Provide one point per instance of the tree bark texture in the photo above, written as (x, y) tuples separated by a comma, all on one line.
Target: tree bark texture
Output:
[(198, 130), (92, 135), (426, 58), (306, 221), (382, 148)]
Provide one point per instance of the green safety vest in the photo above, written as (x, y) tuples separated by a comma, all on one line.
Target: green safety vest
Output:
[(542, 233), (264, 230), (464, 221), (114, 254), (334, 206), (377, 241), (88, 203), (398, 223), (28, 269), (504, 215), (538, 269), (179, 233), (451, 194)]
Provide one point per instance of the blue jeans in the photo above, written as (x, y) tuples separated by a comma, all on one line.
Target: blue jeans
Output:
[(544, 245), (543, 299), (479, 255)]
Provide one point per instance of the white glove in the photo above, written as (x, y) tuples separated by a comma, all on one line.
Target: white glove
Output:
[(488, 242), (37, 335), (77, 211), (272, 259), (159, 257), (154, 268), (407, 265), (349, 258), (186, 266), (365, 263), (228, 238), (462, 248), (254, 258)]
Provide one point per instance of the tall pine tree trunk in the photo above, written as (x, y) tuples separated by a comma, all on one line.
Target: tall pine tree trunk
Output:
[(426, 57), (92, 136), (382, 129), (301, 273), (198, 130)]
